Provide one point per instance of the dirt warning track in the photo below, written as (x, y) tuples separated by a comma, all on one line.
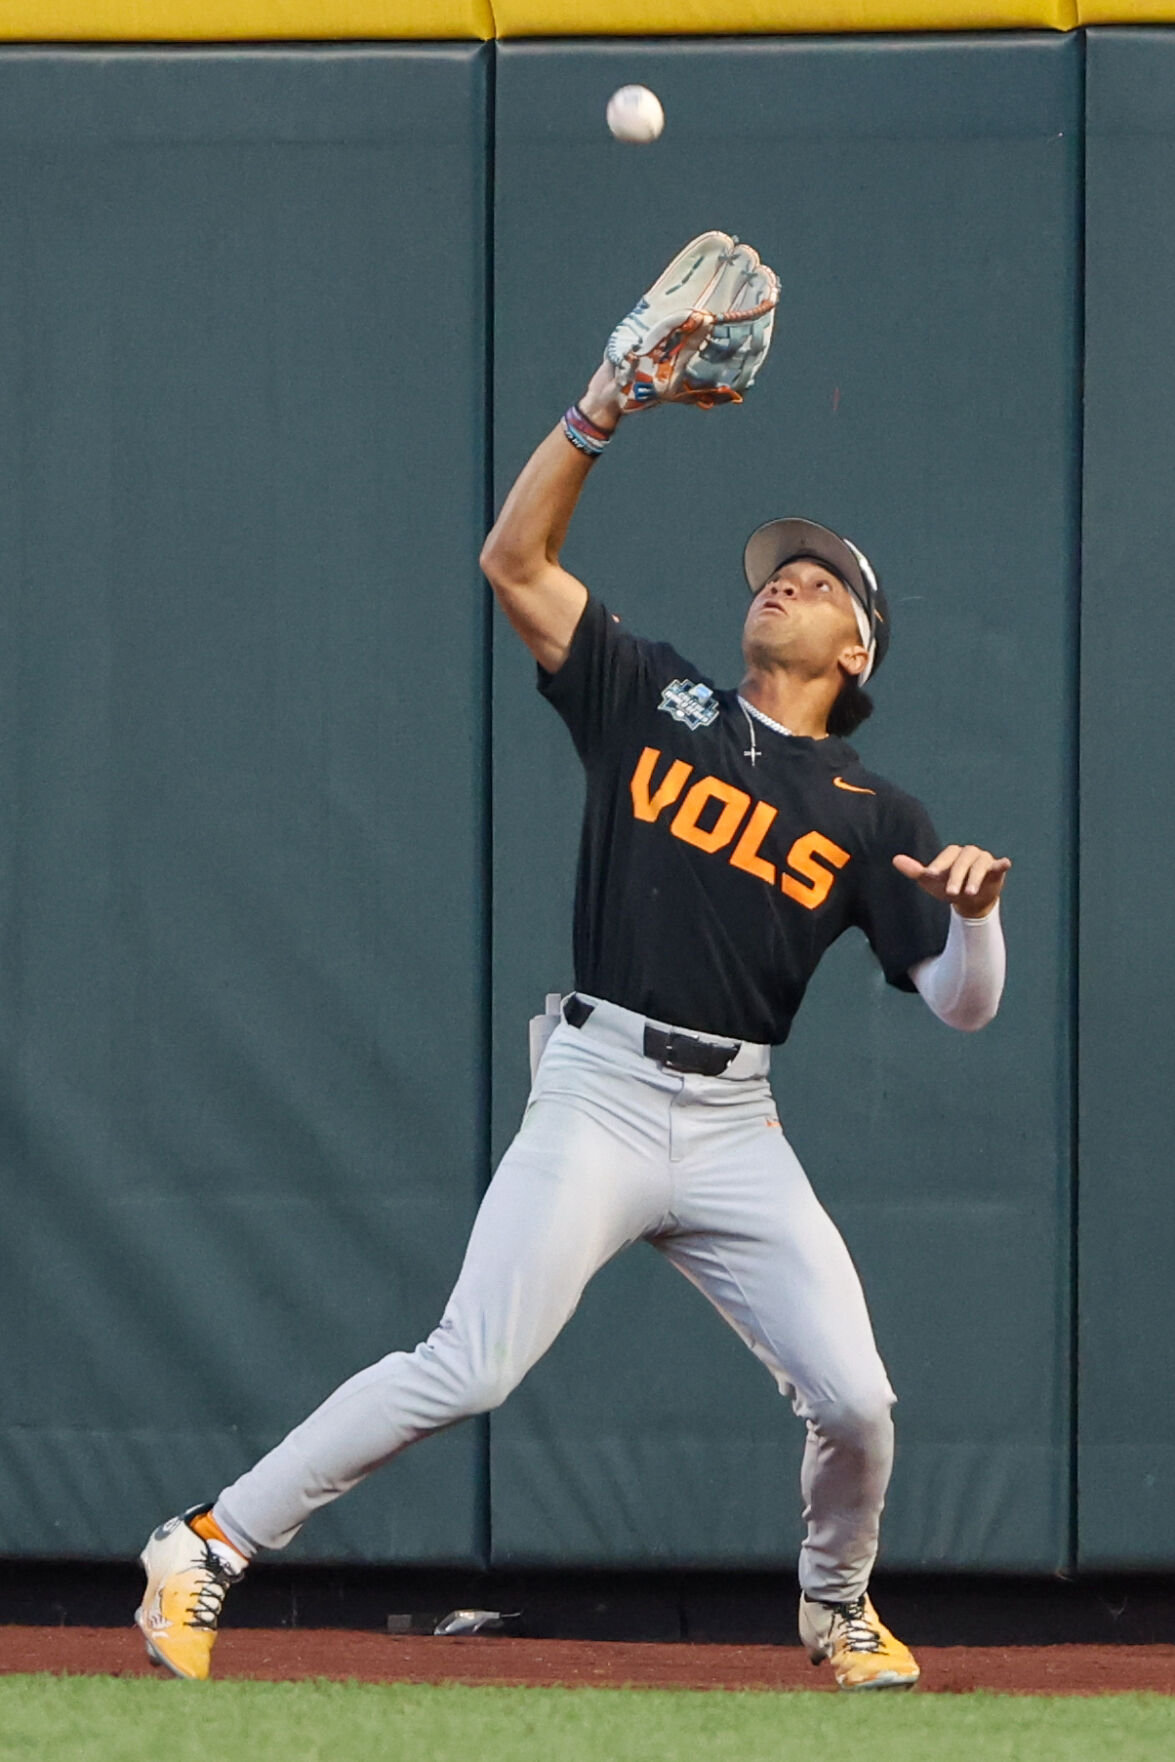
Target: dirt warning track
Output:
[(288, 1654)]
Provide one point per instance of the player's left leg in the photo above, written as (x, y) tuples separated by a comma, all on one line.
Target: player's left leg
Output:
[(584, 1177), (755, 1240)]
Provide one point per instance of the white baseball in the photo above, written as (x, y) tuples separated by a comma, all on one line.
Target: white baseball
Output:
[(635, 114)]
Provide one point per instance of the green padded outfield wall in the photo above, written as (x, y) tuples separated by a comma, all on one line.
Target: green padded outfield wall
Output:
[(242, 1133), (246, 919), (1126, 1431), (920, 199)]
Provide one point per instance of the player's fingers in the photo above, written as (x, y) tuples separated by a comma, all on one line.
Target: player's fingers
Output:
[(941, 866), (960, 869), (978, 872), (984, 885), (988, 877), (909, 866)]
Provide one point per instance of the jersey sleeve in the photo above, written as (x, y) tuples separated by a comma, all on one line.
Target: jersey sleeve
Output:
[(608, 671), (903, 923)]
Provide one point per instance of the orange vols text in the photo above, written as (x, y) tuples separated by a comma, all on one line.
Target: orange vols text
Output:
[(711, 813)]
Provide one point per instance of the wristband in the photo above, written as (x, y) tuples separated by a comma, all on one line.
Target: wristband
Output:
[(583, 433)]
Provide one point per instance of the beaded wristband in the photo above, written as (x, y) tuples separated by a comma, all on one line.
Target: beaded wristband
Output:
[(583, 433)]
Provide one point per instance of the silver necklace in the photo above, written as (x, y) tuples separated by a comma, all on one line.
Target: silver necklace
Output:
[(750, 710)]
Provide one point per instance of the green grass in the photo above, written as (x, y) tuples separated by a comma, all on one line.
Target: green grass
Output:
[(107, 1719)]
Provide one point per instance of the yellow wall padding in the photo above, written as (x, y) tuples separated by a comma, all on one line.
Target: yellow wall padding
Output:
[(159, 21), (651, 18), (1125, 11), (146, 21)]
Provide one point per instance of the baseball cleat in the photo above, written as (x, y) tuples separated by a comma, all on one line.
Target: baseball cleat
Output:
[(186, 1584), (862, 1651)]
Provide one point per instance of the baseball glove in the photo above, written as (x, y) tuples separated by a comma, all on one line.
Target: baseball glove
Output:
[(701, 333)]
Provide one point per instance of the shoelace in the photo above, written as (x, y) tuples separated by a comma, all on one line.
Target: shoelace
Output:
[(860, 1633), (206, 1605)]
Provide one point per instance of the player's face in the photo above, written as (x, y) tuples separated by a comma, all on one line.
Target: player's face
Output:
[(803, 613)]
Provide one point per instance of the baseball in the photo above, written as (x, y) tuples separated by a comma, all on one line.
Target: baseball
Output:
[(635, 114)]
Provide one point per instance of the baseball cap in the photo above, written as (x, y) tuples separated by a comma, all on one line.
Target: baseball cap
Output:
[(781, 541)]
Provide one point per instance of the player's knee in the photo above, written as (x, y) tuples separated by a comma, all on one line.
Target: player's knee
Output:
[(856, 1416), (456, 1381), (480, 1386), (487, 1389)]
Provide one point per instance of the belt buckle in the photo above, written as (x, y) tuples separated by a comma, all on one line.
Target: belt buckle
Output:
[(690, 1055)]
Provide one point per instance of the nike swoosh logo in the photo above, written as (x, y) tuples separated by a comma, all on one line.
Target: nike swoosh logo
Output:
[(853, 788)]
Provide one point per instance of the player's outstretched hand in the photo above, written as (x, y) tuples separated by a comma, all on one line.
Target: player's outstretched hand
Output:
[(968, 878)]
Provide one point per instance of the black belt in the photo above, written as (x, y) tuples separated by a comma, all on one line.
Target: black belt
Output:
[(677, 1051)]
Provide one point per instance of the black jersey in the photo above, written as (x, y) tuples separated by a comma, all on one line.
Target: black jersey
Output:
[(709, 886)]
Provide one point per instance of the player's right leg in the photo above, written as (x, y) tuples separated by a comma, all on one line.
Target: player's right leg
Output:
[(575, 1187), (751, 1234)]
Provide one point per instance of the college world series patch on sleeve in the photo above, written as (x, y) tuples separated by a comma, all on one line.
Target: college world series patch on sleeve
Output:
[(695, 705)]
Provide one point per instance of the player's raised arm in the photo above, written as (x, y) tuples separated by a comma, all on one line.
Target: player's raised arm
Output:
[(698, 336), (542, 600)]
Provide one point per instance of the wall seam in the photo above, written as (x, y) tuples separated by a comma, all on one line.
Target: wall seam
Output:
[(1074, 899), (485, 1536)]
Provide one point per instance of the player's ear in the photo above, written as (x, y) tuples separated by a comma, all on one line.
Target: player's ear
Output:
[(853, 659)]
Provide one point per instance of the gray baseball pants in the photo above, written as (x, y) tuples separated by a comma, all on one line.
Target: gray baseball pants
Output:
[(614, 1149)]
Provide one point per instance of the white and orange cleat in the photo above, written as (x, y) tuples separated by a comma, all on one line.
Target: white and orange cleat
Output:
[(862, 1651), (187, 1577)]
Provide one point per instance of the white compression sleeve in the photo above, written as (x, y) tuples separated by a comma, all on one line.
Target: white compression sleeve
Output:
[(964, 983)]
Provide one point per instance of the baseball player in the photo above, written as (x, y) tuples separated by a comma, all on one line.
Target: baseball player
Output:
[(729, 836)]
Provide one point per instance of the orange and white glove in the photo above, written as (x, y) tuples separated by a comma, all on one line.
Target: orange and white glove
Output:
[(701, 333)]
